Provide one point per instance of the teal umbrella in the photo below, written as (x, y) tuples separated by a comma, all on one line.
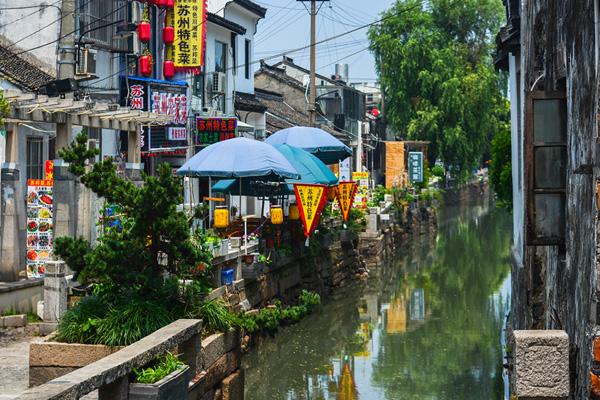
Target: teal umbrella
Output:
[(311, 170)]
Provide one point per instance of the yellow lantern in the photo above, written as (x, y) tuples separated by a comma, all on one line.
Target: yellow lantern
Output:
[(276, 215), (221, 217), (331, 193), (294, 213)]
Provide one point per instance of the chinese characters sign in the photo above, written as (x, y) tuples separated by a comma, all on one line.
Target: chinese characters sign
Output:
[(362, 193), (213, 130), (415, 166), (190, 31), (39, 223), (345, 196), (311, 200), (171, 104)]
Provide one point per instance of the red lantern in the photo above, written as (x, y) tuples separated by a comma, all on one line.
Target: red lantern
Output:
[(144, 31), (162, 3), (168, 69), (170, 3), (168, 34), (146, 64)]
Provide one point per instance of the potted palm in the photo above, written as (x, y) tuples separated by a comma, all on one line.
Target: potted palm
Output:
[(167, 379)]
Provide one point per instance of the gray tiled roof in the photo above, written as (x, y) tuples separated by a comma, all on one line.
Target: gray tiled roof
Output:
[(20, 71)]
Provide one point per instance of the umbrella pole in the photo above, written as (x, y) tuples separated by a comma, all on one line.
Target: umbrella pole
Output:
[(209, 202), (240, 209)]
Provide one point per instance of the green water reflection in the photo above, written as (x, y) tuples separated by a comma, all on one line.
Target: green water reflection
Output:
[(427, 326)]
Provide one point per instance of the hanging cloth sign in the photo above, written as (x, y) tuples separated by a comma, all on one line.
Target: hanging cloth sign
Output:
[(189, 22), (311, 200), (345, 196)]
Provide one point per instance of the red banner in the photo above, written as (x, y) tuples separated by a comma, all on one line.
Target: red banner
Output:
[(311, 199)]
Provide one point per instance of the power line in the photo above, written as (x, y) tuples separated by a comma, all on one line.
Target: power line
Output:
[(69, 33), (330, 38), (46, 26), (345, 57), (30, 14)]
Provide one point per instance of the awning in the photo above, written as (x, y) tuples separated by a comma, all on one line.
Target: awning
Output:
[(30, 107)]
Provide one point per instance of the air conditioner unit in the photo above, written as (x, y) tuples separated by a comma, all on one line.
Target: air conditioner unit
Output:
[(87, 62), (218, 82)]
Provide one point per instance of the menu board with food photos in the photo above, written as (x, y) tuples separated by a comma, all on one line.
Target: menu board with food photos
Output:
[(40, 227)]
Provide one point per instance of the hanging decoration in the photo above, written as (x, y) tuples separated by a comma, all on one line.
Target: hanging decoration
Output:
[(144, 29), (311, 200), (276, 215), (345, 196), (145, 62), (190, 34)]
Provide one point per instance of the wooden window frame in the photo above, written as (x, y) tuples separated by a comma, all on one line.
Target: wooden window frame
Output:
[(531, 238)]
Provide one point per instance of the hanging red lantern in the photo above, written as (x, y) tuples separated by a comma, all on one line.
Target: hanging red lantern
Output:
[(162, 3), (170, 3), (169, 69), (145, 62), (144, 31), (168, 34)]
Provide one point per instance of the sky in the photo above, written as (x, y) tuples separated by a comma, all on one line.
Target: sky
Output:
[(287, 26)]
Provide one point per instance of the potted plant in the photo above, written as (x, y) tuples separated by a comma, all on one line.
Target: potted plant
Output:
[(167, 379)]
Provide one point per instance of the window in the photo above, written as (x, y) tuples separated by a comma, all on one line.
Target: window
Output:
[(35, 158), (234, 53), (220, 57), (247, 59), (545, 167), (94, 14)]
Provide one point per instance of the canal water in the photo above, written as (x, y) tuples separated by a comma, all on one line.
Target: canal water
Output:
[(425, 326)]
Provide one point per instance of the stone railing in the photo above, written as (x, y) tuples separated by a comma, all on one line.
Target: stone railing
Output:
[(110, 374)]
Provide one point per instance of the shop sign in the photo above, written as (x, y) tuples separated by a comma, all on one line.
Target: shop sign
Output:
[(190, 34), (344, 174), (310, 199), (163, 98), (415, 166), (213, 130), (176, 133), (345, 196), (40, 227), (362, 193)]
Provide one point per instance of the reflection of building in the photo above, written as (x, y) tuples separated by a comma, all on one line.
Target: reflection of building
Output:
[(396, 316), (405, 311), (417, 304)]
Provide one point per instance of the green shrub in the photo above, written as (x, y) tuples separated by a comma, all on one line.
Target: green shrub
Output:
[(438, 171), (78, 325), (214, 314), (165, 365)]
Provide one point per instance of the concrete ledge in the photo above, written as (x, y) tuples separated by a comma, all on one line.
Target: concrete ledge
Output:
[(218, 344), (13, 321), (541, 364), (21, 296)]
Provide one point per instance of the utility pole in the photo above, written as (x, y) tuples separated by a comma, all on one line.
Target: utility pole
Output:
[(312, 89), (66, 61)]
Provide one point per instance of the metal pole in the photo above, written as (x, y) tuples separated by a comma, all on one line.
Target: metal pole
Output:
[(312, 99)]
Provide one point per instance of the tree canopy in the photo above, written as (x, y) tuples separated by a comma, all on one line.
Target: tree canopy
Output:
[(434, 63)]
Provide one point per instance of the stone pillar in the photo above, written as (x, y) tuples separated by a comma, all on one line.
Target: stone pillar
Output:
[(12, 229), (541, 365), (55, 291), (192, 353)]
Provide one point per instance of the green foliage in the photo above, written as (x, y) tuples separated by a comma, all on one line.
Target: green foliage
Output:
[(135, 271), (379, 193), (434, 63), (357, 220), (438, 171), (4, 107), (269, 319), (430, 194), (501, 168), (214, 314), (165, 366)]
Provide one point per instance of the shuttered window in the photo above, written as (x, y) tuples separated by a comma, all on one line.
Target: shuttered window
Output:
[(545, 167)]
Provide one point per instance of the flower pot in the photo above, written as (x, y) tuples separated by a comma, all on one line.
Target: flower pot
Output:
[(172, 386), (168, 34), (144, 31), (168, 69)]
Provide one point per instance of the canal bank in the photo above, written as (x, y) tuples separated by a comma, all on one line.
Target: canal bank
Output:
[(425, 324)]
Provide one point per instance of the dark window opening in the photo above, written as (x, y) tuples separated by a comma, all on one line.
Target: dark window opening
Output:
[(247, 59)]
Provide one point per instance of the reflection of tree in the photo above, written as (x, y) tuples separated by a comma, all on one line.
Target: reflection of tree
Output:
[(456, 354)]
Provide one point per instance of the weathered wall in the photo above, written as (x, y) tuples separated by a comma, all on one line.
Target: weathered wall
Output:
[(557, 52)]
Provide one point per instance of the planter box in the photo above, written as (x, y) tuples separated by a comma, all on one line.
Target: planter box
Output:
[(171, 387), (49, 360)]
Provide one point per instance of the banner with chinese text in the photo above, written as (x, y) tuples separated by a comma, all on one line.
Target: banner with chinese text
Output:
[(40, 226), (189, 19), (311, 200), (345, 196), (213, 130), (362, 192)]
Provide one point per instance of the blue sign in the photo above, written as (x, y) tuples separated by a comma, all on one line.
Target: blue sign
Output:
[(415, 166)]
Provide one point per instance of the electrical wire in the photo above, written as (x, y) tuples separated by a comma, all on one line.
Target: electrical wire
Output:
[(330, 38), (47, 25), (345, 57), (29, 15), (69, 33), (277, 25)]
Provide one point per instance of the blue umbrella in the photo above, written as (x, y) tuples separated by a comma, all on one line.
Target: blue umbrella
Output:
[(314, 140), (311, 169), (239, 158)]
